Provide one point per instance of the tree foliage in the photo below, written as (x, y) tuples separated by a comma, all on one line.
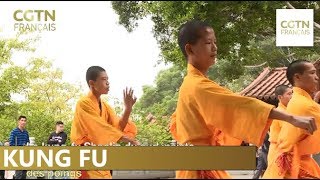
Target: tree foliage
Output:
[(245, 34), (35, 90), (245, 31), (158, 100)]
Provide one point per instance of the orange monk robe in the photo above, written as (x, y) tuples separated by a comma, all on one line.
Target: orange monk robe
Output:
[(274, 133), (295, 146), (112, 118), (97, 127), (205, 110)]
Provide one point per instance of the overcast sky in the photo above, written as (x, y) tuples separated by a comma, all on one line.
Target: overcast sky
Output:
[(87, 34)]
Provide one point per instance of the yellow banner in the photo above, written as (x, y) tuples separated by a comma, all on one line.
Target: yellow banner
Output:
[(127, 158)]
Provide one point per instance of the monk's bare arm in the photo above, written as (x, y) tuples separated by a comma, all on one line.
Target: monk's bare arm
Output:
[(129, 101), (307, 123), (124, 119)]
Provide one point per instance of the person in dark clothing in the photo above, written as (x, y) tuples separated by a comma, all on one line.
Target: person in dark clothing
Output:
[(58, 137), (20, 137), (2, 174), (262, 163), (1, 171)]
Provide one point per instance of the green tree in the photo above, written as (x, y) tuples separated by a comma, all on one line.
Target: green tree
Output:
[(245, 31), (160, 100), (12, 81), (43, 96), (152, 134), (48, 99)]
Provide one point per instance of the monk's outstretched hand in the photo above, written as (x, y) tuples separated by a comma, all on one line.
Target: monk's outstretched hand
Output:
[(303, 122), (306, 123), (128, 98)]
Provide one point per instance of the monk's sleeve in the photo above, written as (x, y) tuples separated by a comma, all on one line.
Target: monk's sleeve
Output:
[(238, 116), (113, 118), (311, 141), (290, 135), (94, 127), (173, 127), (130, 130)]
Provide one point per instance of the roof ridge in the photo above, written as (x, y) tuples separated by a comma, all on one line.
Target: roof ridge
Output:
[(261, 76), (280, 68), (264, 85)]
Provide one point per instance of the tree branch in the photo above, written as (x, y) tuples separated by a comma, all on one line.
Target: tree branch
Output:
[(48, 97), (316, 6), (290, 55), (255, 66), (291, 7), (317, 25)]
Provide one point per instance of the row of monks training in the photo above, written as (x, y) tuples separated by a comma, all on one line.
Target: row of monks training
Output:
[(208, 114)]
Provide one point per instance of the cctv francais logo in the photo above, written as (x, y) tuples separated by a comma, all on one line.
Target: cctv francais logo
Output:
[(34, 20), (294, 27)]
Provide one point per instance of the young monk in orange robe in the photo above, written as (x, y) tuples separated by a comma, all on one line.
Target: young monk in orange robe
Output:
[(96, 122), (284, 94), (204, 108), (293, 158)]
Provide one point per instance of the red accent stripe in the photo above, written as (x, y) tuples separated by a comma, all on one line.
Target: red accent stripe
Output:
[(206, 175), (284, 162)]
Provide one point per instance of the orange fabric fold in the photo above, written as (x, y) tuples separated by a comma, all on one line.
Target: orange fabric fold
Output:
[(284, 162), (296, 142), (98, 126), (274, 134), (210, 115)]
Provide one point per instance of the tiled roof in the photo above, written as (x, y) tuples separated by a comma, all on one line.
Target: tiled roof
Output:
[(264, 85)]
